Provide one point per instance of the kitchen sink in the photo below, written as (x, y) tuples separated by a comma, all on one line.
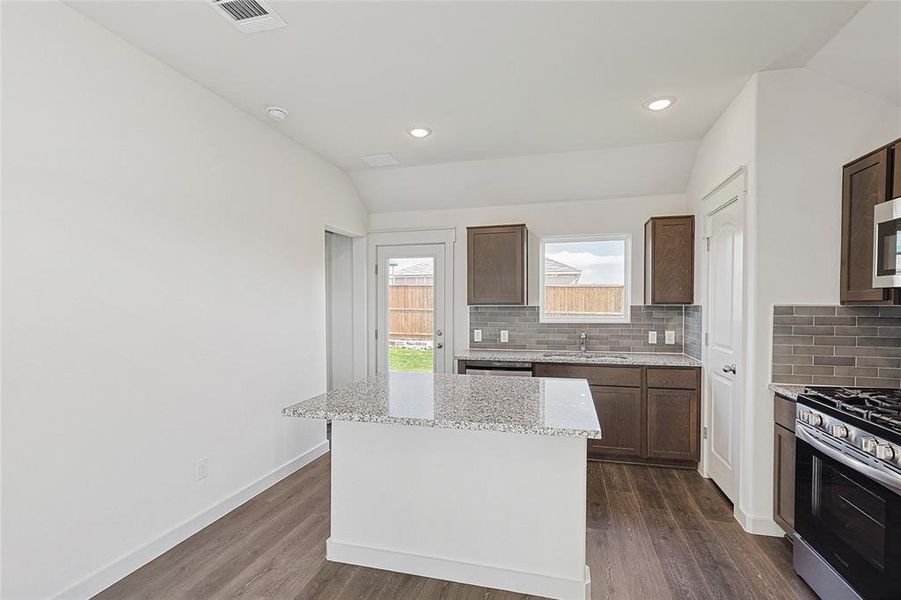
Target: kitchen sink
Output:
[(606, 355)]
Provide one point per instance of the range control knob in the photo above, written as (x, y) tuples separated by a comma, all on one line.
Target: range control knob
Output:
[(868, 444), (839, 431), (804, 415), (885, 452), (815, 419)]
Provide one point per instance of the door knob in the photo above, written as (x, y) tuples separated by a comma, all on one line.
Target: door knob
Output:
[(729, 369), (439, 345)]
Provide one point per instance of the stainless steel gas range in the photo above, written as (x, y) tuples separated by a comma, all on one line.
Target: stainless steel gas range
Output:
[(848, 492)]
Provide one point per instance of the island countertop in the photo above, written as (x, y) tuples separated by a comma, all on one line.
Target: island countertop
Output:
[(536, 406)]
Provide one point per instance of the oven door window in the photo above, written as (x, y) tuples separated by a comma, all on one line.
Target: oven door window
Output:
[(888, 248), (851, 521)]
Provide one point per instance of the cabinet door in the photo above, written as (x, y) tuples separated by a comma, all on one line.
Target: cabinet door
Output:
[(673, 423), (896, 171), (670, 260), (784, 478), (496, 264), (619, 411), (864, 184)]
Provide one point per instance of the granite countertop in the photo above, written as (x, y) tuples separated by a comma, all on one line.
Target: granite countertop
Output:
[(787, 390), (538, 406), (644, 359)]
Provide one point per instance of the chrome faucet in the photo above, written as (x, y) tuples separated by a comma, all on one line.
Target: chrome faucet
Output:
[(583, 339)]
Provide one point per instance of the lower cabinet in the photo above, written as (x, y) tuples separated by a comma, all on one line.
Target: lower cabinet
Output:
[(619, 409), (784, 478), (648, 414), (784, 463), (673, 419)]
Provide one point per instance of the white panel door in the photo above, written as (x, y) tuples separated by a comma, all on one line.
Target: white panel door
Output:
[(724, 320), (411, 309)]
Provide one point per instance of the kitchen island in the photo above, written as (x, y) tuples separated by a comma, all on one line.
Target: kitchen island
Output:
[(466, 478)]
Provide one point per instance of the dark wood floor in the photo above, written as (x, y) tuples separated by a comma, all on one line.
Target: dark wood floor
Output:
[(654, 534)]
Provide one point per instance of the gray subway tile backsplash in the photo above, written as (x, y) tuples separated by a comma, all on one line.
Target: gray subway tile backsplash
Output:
[(527, 333), (837, 345)]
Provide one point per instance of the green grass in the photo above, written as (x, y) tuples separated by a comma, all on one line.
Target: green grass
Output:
[(408, 360)]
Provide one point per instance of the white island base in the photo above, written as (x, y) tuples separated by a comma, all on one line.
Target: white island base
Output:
[(488, 508)]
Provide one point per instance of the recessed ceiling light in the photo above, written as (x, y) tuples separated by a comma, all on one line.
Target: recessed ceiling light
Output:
[(276, 113), (659, 103), (420, 132)]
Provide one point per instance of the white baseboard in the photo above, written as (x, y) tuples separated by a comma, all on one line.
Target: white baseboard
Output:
[(119, 568), (461, 572), (758, 525)]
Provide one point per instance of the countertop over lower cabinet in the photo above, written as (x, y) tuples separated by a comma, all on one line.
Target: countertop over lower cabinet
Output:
[(787, 390), (620, 359)]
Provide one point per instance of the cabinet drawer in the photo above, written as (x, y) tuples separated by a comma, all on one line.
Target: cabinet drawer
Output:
[(784, 412), (679, 379), (609, 376)]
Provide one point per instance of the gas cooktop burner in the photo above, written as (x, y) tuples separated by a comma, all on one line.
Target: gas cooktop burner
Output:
[(881, 406)]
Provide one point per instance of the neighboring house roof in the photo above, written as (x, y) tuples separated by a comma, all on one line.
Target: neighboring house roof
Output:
[(555, 267), (423, 269)]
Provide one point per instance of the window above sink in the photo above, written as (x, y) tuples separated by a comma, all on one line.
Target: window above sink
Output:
[(585, 279)]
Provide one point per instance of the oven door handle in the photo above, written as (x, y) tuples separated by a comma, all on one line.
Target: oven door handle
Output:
[(893, 482)]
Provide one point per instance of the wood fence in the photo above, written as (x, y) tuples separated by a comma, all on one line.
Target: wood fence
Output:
[(583, 299), (411, 311), (411, 307)]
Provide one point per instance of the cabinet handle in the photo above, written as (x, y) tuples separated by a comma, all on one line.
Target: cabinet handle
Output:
[(729, 369)]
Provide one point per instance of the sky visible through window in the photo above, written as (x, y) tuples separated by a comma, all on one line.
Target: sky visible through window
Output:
[(600, 261)]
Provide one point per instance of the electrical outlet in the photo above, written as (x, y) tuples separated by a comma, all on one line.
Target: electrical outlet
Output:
[(201, 466), (505, 336), (652, 337), (477, 335), (670, 337)]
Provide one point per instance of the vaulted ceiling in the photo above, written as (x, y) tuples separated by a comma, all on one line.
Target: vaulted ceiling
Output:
[(493, 80)]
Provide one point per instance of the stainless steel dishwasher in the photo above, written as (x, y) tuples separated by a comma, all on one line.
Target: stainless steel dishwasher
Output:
[(490, 367)]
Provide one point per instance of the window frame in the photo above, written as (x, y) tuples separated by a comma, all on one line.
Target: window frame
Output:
[(626, 317)]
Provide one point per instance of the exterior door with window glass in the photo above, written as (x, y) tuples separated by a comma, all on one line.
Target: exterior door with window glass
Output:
[(410, 330)]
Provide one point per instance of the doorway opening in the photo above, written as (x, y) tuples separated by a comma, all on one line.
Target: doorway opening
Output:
[(340, 313)]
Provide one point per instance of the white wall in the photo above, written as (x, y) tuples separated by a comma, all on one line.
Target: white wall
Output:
[(730, 146), (163, 298), (624, 172), (808, 127), (792, 130), (620, 215)]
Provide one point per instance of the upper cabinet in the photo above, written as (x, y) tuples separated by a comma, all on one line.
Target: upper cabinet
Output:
[(669, 263), (895, 155), (865, 182), (497, 264)]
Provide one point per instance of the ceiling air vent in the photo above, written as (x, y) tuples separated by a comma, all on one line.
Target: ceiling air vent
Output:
[(380, 160), (249, 16)]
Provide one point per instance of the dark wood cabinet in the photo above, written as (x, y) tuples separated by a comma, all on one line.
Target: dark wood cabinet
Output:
[(673, 420), (895, 167), (784, 462), (497, 264), (619, 409), (669, 260), (784, 478), (865, 183), (647, 414)]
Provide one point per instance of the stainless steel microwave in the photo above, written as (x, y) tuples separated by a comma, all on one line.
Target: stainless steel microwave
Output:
[(887, 244)]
